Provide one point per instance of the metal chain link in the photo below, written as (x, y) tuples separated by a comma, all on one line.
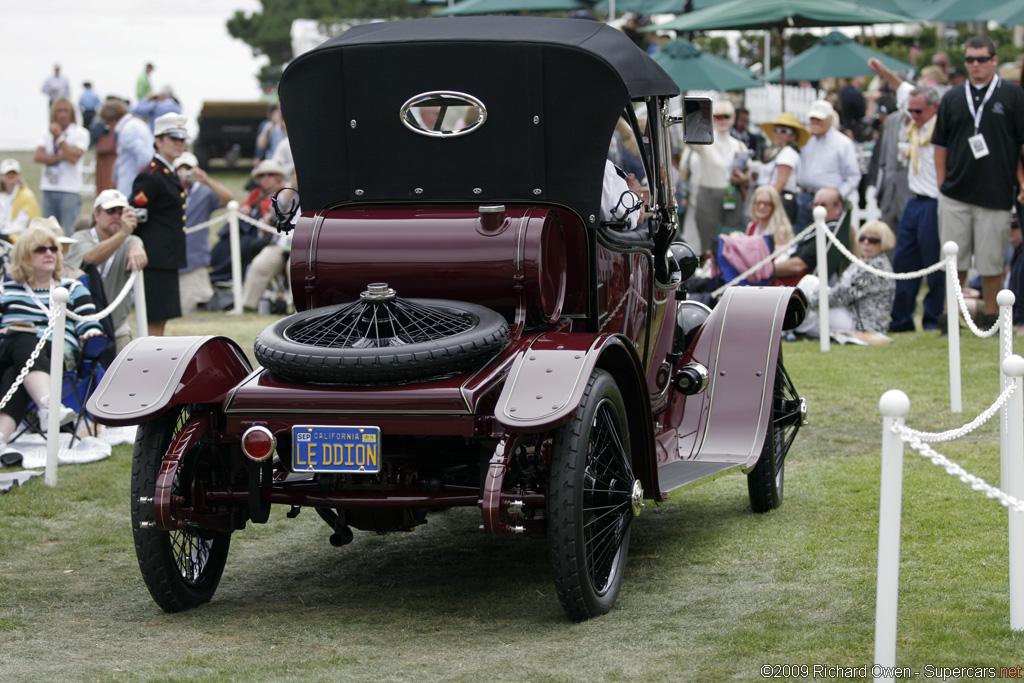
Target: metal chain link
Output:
[(31, 361), (975, 482), (951, 434), (630, 292)]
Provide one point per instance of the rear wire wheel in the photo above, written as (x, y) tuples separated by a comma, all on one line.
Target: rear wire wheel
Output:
[(181, 568), (591, 501), (765, 481)]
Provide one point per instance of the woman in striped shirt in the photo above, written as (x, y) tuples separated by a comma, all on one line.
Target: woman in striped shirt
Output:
[(35, 270)]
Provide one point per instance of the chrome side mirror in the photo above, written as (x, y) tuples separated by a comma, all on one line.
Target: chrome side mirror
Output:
[(696, 120)]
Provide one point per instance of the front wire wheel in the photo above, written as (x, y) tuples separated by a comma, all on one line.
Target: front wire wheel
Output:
[(591, 501), (764, 482), (181, 568)]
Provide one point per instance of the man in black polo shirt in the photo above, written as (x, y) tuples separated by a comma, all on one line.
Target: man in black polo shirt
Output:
[(978, 136)]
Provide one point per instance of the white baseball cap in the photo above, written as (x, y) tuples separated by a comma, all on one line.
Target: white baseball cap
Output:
[(110, 199), (186, 159), (821, 109), (8, 165)]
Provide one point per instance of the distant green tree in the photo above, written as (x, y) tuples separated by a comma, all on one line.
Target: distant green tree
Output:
[(269, 32)]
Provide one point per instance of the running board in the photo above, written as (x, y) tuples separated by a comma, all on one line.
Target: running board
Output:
[(682, 473)]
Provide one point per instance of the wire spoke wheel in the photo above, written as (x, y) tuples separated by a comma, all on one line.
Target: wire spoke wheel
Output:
[(381, 339), (182, 568), (592, 500), (765, 481)]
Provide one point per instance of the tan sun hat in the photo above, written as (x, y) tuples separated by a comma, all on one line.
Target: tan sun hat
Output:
[(787, 120), (268, 167), (53, 225)]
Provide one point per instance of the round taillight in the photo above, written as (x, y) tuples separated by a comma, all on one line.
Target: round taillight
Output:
[(258, 443)]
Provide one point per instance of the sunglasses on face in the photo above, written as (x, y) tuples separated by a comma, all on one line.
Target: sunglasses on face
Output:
[(117, 209), (762, 203), (721, 117), (783, 130), (916, 111), (980, 60), (870, 239), (42, 250)]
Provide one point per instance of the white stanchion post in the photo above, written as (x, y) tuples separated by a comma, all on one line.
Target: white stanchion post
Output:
[(894, 406), (949, 253), (60, 300), (1005, 299), (141, 314), (236, 257), (821, 247), (1013, 478)]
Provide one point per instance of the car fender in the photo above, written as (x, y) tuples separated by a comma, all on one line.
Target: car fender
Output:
[(739, 345), (548, 378), (152, 374)]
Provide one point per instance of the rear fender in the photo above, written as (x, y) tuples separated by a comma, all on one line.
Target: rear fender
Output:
[(154, 373), (547, 380)]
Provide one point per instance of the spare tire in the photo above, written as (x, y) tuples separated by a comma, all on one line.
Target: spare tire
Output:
[(381, 339)]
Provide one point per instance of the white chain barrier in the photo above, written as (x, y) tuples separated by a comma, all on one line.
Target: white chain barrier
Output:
[(894, 406)]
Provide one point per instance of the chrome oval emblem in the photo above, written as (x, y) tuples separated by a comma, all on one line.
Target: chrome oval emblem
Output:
[(443, 114)]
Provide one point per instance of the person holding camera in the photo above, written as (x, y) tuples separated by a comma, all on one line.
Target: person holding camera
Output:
[(159, 201), (112, 246)]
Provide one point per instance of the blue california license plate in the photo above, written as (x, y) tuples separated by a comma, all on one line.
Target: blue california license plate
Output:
[(335, 449)]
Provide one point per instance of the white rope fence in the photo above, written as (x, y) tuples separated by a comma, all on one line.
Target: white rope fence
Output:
[(954, 296), (894, 406)]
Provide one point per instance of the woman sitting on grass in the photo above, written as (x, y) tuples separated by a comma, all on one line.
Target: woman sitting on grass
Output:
[(36, 269), (860, 301)]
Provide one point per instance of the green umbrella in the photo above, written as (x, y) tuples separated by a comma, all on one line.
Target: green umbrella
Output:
[(1008, 14), (779, 15), (835, 56), (694, 69), (774, 14), (501, 6), (960, 10)]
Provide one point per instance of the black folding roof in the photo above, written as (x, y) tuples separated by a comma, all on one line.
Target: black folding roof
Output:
[(552, 88)]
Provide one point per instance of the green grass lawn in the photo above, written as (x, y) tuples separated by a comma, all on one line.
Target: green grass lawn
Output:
[(712, 592)]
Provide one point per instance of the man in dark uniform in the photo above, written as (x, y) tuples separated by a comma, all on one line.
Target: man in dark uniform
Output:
[(159, 198)]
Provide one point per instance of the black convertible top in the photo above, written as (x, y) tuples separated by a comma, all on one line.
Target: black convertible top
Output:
[(552, 89)]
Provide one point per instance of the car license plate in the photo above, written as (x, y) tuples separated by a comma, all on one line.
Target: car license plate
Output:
[(335, 449)]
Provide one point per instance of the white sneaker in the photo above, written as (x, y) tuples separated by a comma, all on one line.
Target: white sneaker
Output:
[(67, 415)]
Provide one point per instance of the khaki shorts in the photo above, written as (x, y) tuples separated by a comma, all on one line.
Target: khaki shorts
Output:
[(979, 232), (194, 288)]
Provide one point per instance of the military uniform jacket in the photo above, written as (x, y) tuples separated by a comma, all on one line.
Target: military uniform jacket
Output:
[(158, 190)]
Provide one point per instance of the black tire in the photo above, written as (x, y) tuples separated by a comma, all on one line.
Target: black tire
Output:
[(765, 481), (484, 335), (181, 568), (590, 501)]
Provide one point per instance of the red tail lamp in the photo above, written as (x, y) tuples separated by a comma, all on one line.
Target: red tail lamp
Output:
[(258, 443)]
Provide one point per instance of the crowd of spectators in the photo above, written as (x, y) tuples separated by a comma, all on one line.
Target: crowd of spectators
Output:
[(945, 145)]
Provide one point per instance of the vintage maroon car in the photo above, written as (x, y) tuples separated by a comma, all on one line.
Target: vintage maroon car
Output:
[(469, 332)]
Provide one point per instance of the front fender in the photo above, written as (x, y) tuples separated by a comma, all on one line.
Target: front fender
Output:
[(153, 373), (739, 345)]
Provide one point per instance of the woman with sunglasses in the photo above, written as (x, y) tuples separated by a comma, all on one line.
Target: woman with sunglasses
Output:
[(860, 301), (36, 269), (782, 168)]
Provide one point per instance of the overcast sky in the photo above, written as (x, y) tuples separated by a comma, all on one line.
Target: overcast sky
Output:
[(109, 43)]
